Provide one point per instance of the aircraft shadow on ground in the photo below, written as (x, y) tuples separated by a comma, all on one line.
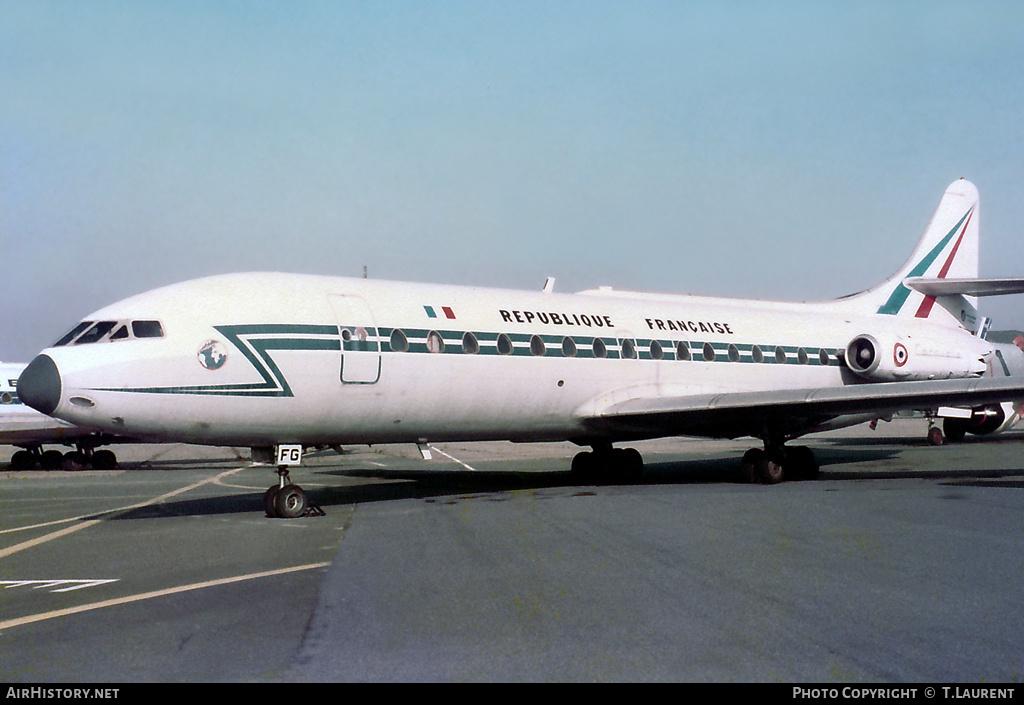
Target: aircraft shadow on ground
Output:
[(453, 485)]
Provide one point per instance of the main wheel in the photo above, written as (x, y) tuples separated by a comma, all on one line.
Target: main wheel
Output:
[(290, 502), (749, 464), (801, 463), (629, 464), (770, 470)]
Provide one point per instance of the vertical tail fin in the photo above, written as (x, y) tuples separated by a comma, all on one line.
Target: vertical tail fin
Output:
[(948, 249)]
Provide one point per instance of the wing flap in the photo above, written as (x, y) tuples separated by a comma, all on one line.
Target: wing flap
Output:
[(735, 414)]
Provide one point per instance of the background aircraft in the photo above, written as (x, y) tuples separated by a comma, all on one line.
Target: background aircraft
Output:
[(26, 428)]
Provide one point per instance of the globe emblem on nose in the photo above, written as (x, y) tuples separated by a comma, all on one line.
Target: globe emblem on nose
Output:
[(212, 355)]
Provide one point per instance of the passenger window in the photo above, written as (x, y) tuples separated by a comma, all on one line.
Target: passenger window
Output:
[(734, 353), (568, 347), (656, 351), (626, 349), (709, 352), (823, 357), (470, 345), (399, 343), (600, 349), (682, 350), (780, 355), (435, 343), (504, 345), (537, 346), (756, 354)]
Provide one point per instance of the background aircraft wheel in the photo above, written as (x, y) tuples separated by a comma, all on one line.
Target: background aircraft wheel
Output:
[(51, 460), (935, 436), (74, 460), (269, 498), (290, 502), (23, 460), (104, 460)]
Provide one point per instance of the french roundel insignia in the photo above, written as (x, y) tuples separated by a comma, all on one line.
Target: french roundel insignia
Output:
[(900, 354)]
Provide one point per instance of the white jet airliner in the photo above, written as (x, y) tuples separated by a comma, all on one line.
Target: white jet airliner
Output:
[(270, 359)]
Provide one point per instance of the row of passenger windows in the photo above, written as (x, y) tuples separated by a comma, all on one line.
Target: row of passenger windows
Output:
[(95, 331), (627, 349)]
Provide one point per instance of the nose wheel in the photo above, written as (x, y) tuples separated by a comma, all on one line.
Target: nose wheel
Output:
[(287, 501)]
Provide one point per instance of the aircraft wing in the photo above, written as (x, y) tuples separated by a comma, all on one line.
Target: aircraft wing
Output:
[(792, 411), (967, 287)]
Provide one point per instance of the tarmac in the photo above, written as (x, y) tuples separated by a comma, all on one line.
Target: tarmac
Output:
[(902, 563)]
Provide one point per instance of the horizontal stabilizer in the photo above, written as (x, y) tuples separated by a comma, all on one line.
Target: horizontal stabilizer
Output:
[(966, 287)]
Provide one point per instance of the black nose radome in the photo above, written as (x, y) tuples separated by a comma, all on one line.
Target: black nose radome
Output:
[(39, 385)]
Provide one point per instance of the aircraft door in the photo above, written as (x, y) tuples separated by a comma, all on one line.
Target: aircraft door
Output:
[(360, 345)]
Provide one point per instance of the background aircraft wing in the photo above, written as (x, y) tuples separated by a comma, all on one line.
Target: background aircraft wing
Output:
[(23, 427), (790, 411)]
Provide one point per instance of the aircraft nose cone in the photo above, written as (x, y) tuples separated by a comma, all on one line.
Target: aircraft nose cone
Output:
[(39, 385)]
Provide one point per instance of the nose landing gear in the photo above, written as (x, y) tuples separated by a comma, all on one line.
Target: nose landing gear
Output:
[(286, 500)]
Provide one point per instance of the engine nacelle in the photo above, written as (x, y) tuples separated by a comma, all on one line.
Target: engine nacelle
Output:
[(981, 420), (898, 358)]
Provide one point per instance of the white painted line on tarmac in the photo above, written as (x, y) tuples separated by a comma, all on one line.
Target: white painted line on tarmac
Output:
[(452, 457), (68, 585), (128, 599), (109, 514)]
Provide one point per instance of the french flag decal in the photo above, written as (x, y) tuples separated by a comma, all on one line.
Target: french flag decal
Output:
[(446, 310)]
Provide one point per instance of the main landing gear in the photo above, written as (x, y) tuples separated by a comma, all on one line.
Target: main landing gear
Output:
[(608, 465), (777, 463)]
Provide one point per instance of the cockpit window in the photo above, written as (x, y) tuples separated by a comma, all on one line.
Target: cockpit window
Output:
[(95, 333), (147, 329), (88, 332), (73, 333)]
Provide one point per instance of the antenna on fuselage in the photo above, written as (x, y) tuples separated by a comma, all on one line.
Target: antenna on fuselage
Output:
[(364, 271), (549, 285)]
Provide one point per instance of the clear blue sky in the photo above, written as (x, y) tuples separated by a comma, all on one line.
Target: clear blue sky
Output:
[(774, 150)]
